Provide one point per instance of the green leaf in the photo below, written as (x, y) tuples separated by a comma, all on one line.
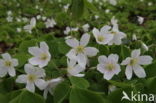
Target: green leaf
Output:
[(26, 44), (28, 97), (78, 95), (60, 92), (77, 8), (79, 82), (150, 70)]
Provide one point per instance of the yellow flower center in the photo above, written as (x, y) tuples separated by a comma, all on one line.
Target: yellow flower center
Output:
[(113, 32), (8, 63), (80, 49), (133, 61), (31, 77), (43, 56), (100, 38), (110, 66)]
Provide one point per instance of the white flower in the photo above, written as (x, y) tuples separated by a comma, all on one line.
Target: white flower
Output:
[(38, 17), (32, 77), (117, 35), (112, 2), (85, 27), (108, 66), (96, 16), (29, 27), (140, 19), (41, 55), (70, 29), (44, 18), (133, 64), (144, 46), (66, 7), (9, 18), (50, 23), (7, 65), (9, 13), (19, 29), (79, 50), (74, 69), (102, 36), (134, 37), (50, 86)]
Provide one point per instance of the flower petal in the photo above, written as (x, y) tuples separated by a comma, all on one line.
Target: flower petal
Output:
[(44, 46), (91, 51), (29, 69), (12, 72), (84, 39), (72, 42), (145, 60), (3, 72), (71, 54), (108, 75), (126, 61), (41, 84), (96, 32), (139, 71), (135, 53), (100, 68), (34, 61), (128, 72), (35, 51), (6, 56), (102, 59), (113, 57), (82, 60), (22, 79), (15, 62), (30, 87)]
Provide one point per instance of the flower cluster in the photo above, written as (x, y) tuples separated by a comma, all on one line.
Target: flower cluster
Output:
[(77, 57)]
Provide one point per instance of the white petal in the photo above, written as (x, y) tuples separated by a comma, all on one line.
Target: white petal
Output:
[(84, 39), (34, 61), (72, 42), (80, 75), (40, 83), (102, 59), (128, 72), (139, 71), (113, 57), (126, 61), (145, 60), (108, 75), (96, 32), (45, 93), (100, 68), (6, 56), (22, 79), (34, 51), (30, 87), (39, 72), (117, 69), (12, 72), (29, 69), (3, 72), (75, 70), (15, 62), (44, 46), (71, 62), (135, 53), (107, 38), (43, 63), (71, 54), (91, 51), (105, 29), (82, 60)]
